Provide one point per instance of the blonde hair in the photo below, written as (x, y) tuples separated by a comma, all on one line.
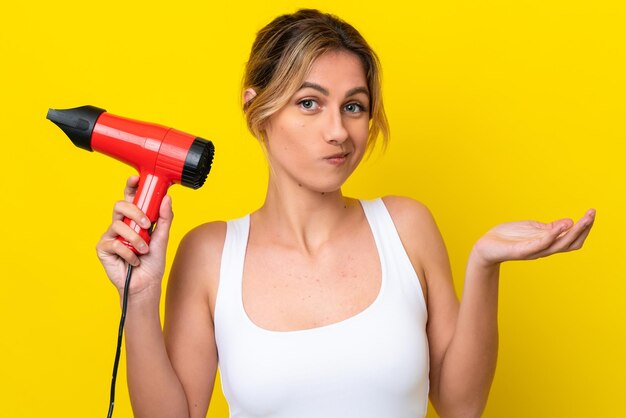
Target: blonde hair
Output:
[(282, 55)]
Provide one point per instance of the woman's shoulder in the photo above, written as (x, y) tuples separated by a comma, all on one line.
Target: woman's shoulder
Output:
[(407, 212), (205, 235), (198, 257), (415, 224), (206, 239)]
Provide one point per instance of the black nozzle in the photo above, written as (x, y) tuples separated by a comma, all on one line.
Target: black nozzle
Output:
[(77, 123), (197, 163)]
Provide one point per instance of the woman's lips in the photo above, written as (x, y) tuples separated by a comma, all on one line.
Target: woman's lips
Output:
[(338, 158)]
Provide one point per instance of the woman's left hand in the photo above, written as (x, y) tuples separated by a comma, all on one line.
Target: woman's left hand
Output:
[(528, 240)]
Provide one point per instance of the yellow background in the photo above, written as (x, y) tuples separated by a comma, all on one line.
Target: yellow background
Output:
[(499, 111)]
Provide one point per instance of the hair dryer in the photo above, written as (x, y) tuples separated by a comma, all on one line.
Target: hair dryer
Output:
[(162, 155)]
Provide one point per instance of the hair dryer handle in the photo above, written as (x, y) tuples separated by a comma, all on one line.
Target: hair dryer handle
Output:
[(150, 193)]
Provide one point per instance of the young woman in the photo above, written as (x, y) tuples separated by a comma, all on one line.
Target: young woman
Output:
[(316, 305)]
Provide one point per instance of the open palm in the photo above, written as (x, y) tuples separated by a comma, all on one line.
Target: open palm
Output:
[(527, 240)]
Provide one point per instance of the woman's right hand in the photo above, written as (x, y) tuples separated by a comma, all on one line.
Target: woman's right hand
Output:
[(148, 268)]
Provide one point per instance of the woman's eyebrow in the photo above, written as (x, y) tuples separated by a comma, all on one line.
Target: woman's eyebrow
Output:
[(315, 86), (325, 92), (356, 90)]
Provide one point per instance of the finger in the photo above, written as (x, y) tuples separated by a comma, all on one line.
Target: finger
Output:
[(114, 247), (563, 224), (556, 229), (569, 238), (587, 221), (121, 229), (109, 246), (131, 188), (578, 243), (574, 233), (123, 209), (160, 235)]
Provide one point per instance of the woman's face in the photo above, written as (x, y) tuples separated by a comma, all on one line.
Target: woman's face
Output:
[(318, 138)]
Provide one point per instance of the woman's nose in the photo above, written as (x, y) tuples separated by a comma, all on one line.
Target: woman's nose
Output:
[(335, 131)]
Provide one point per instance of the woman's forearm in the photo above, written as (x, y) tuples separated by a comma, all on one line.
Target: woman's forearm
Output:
[(469, 364), (155, 390)]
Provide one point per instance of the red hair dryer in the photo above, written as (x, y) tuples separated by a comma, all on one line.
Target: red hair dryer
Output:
[(162, 155)]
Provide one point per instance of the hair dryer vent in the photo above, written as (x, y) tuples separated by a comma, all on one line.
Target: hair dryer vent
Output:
[(197, 163)]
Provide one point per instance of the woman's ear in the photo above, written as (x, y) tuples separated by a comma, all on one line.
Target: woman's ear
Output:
[(248, 95)]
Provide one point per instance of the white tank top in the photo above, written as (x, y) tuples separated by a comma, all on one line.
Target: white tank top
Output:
[(374, 364)]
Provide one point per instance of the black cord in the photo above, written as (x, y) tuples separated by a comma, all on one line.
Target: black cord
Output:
[(120, 332)]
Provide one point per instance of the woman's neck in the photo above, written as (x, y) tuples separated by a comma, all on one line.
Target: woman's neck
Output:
[(299, 217)]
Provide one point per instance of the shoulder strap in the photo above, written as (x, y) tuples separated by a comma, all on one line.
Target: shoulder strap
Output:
[(394, 258), (231, 267)]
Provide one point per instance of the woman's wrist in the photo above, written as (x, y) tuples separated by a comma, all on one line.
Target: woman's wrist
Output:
[(148, 297), (481, 265)]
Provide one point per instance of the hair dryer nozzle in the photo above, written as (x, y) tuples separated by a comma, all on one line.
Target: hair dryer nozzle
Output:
[(197, 163), (77, 123)]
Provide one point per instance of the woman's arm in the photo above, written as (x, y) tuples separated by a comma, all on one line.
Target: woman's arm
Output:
[(159, 383), (466, 366), (172, 373), (463, 338), (469, 363), (189, 329)]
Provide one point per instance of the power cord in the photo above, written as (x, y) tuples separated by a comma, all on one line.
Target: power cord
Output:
[(120, 333)]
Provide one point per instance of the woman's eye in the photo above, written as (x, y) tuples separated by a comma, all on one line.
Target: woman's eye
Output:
[(308, 104), (354, 108)]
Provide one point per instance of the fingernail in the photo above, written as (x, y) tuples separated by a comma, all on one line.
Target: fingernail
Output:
[(145, 222)]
